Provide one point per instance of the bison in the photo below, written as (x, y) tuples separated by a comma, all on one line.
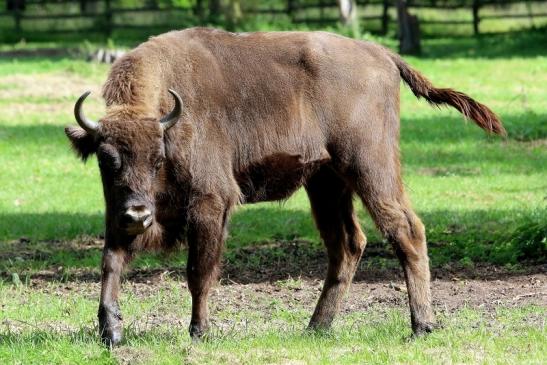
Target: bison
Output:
[(199, 121)]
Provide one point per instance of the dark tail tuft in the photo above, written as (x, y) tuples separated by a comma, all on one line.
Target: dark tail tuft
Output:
[(470, 108)]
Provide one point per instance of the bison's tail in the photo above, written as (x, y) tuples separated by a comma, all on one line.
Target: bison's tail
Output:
[(471, 109)]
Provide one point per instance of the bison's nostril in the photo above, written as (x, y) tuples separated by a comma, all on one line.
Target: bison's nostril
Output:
[(138, 213)]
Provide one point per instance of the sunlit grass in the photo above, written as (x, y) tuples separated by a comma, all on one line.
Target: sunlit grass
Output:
[(46, 323), (456, 176)]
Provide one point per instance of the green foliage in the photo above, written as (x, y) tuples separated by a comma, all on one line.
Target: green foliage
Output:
[(530, 239), (523, 131)]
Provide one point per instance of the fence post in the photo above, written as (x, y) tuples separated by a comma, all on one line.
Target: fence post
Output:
[(409, 30), (290, 9), (199, 10), (215, 11), (17, 15), (385, 17), (476, 19), (107, 18)]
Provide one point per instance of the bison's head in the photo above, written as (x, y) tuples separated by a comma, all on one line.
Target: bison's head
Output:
[(130, 155)]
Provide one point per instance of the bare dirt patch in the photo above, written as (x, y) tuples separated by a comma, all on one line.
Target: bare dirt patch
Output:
[(264, 299), (536, 143), (290, 275), (449, 294), (134, 356), (488, 288)]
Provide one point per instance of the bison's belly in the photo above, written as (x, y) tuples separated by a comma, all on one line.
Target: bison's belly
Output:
[(277, 176)]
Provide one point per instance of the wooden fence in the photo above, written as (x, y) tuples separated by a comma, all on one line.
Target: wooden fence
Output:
[(385, 19), (104, 16)]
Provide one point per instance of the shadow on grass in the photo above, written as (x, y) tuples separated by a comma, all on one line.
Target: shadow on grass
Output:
[(523, 44), (49, 226), (458, 241), (36, 134), (45, 334), (21, 334)]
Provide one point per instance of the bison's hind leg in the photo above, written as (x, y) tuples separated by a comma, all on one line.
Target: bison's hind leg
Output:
[(378, 182), (331, 202)]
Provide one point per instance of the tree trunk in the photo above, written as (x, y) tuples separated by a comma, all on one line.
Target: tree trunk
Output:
[(348, 15), (234, 14), (15, 5), (214, 9), (199, 10), (409, 30)]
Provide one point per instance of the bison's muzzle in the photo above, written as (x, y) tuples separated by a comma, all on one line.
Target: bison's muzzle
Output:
[(137, 219)]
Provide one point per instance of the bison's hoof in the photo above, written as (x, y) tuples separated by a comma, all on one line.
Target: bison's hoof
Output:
[(197, 331), (318, 327), (111, 338), (110, 325), (422, 329)]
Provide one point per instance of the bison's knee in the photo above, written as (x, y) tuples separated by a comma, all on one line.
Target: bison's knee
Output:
[(404, 230), (357, 243)]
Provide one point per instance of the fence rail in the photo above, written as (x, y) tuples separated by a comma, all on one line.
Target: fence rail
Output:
[(107, 16)]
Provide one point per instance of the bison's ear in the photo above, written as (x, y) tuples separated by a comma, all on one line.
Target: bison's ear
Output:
[(83, 143)]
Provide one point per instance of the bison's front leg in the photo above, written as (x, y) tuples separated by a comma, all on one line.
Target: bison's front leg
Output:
[(206, 234), (110, 318)]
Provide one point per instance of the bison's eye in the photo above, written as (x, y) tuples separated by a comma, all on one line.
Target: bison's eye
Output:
[(158, 164), (109, 158)]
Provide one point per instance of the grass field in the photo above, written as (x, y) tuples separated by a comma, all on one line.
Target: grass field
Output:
[(482, 199)]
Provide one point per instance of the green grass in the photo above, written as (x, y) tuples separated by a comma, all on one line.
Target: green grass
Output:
[(47, 326), (482, 199), (472, 191)]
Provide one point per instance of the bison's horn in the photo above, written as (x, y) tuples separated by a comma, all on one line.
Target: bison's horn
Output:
[(87, 124), (172, 118)]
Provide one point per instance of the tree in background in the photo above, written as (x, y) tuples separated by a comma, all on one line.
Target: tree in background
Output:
[(15, 5), (409, 30), (234, 14), (348, 15), (215, 9)]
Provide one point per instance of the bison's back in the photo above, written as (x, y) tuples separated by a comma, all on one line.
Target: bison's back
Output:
[(251, 96), (248, 79)]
